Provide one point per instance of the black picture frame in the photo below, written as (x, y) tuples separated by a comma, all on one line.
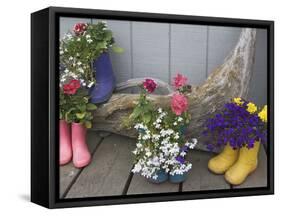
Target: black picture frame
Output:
[(44, 109)]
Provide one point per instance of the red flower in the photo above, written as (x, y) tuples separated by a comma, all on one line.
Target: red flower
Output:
[(179, 103), (149, 85), (179, 81), (79, 28), (71, 87)]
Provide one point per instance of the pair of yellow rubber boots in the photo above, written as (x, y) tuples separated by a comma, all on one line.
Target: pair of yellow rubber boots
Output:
[(235, 164)]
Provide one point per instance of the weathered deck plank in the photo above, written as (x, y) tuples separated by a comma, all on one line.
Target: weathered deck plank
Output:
[(109, 170), (139, 185), (199, 177), (69, 172), (259, 177)]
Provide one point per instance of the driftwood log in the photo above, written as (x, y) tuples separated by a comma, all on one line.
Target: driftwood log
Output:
[(231, 79)]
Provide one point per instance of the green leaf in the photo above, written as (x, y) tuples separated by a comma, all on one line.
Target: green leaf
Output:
[(117, 49), (146, 117), (80, 115), (82, 107), (88, 124), (91, 106), (137, 111)]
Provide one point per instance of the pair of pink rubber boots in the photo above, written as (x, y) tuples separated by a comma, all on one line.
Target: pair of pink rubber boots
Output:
[(73, 144)]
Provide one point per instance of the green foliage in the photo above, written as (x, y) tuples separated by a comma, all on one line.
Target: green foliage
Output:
[(143, 111), (76, 108), (77, 52)]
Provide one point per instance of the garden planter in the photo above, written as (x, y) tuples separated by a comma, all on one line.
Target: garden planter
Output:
[(81, 153), (65, 143), (162, 177), (105, 79), (177, 178), (246, 163)]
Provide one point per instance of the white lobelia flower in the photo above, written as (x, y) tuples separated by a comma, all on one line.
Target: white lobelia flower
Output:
[(160, 110), (88, 36), (79, 63), (158, 120), (146, 137), (78, 39), (175, 123), (183, 153), (90, 84), (81, 70), (61, 52), (180, 119), (90, 41), (137, 168), (156, 137), (195, 141), (176, 136), (70, 58), (148, 154), (157, 126)]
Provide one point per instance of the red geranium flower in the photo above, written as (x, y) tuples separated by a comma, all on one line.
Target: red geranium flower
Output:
[(149, 85), (79, 28), (72, 87)]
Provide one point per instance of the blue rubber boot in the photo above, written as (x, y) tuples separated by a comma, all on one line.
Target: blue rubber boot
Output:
[(178, 178), (105, 80), (162, 176)]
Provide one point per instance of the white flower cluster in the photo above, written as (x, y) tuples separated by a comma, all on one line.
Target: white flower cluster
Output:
[(159, 148)]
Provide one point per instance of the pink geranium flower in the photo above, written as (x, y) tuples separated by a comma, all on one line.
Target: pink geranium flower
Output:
[(179, 81), (149, 85), (179, 103)]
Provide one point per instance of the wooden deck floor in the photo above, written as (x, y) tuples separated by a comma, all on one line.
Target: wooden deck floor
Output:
[(109, 172)]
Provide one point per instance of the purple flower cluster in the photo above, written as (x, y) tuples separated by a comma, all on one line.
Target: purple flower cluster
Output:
[(236, 126)]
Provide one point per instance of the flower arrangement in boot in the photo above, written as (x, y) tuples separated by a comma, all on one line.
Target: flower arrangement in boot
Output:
[(84, 56), (84, 64), (76, 110), (161, 148), (240, 128)]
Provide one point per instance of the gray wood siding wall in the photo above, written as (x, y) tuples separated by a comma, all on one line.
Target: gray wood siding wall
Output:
[(161, 50)]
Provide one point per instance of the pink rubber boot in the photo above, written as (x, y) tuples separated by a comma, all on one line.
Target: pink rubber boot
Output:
[(65, 143), (81, 153)]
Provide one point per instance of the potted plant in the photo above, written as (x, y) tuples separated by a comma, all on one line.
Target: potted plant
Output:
[(161, 134), (239, 128), (181, 165), (75, 109), (84, 56), (86, 77)]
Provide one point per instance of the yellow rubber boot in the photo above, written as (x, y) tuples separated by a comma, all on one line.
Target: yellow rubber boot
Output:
[(222, 162), (247, 163)]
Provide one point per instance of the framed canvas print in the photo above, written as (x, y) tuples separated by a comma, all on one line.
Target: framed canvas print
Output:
[(138, 107)]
